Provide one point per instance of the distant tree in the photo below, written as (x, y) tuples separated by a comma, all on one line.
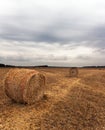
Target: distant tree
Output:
[(2, 65), (9, 66)]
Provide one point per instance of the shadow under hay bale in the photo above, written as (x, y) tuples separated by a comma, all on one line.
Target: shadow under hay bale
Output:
[(24, 85), (73, 72)]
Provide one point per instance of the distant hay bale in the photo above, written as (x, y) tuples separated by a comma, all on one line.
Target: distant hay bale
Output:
[(24, 85), (73, 72)]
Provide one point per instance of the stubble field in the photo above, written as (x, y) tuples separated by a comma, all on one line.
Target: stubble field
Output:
[(68, 104)]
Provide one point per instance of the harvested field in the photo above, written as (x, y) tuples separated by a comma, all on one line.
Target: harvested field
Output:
[(68, 104)]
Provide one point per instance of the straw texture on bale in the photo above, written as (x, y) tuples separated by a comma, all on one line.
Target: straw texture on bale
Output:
[(73, 72), (24, 85)]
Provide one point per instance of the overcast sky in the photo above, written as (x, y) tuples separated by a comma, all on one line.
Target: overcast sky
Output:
[(53, 32)]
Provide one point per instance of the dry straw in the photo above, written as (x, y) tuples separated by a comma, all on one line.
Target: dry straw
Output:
[(24, 85), (73, 72)]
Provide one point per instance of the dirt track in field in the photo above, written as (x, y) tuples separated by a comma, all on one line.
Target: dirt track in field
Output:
[(68, 104)]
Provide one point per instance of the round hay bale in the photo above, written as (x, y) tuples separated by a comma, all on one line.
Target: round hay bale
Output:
[(73, 72), (24, 85)]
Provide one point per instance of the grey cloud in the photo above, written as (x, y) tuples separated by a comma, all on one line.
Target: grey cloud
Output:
[(37, 60), (22, 27), (99, 32), (97, 37), (60, 30), (100, 51), (51, 34), (82, 57), (28, 28)]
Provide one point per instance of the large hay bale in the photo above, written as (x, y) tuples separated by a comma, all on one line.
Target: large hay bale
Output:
[(73, 72), (24, 85)]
